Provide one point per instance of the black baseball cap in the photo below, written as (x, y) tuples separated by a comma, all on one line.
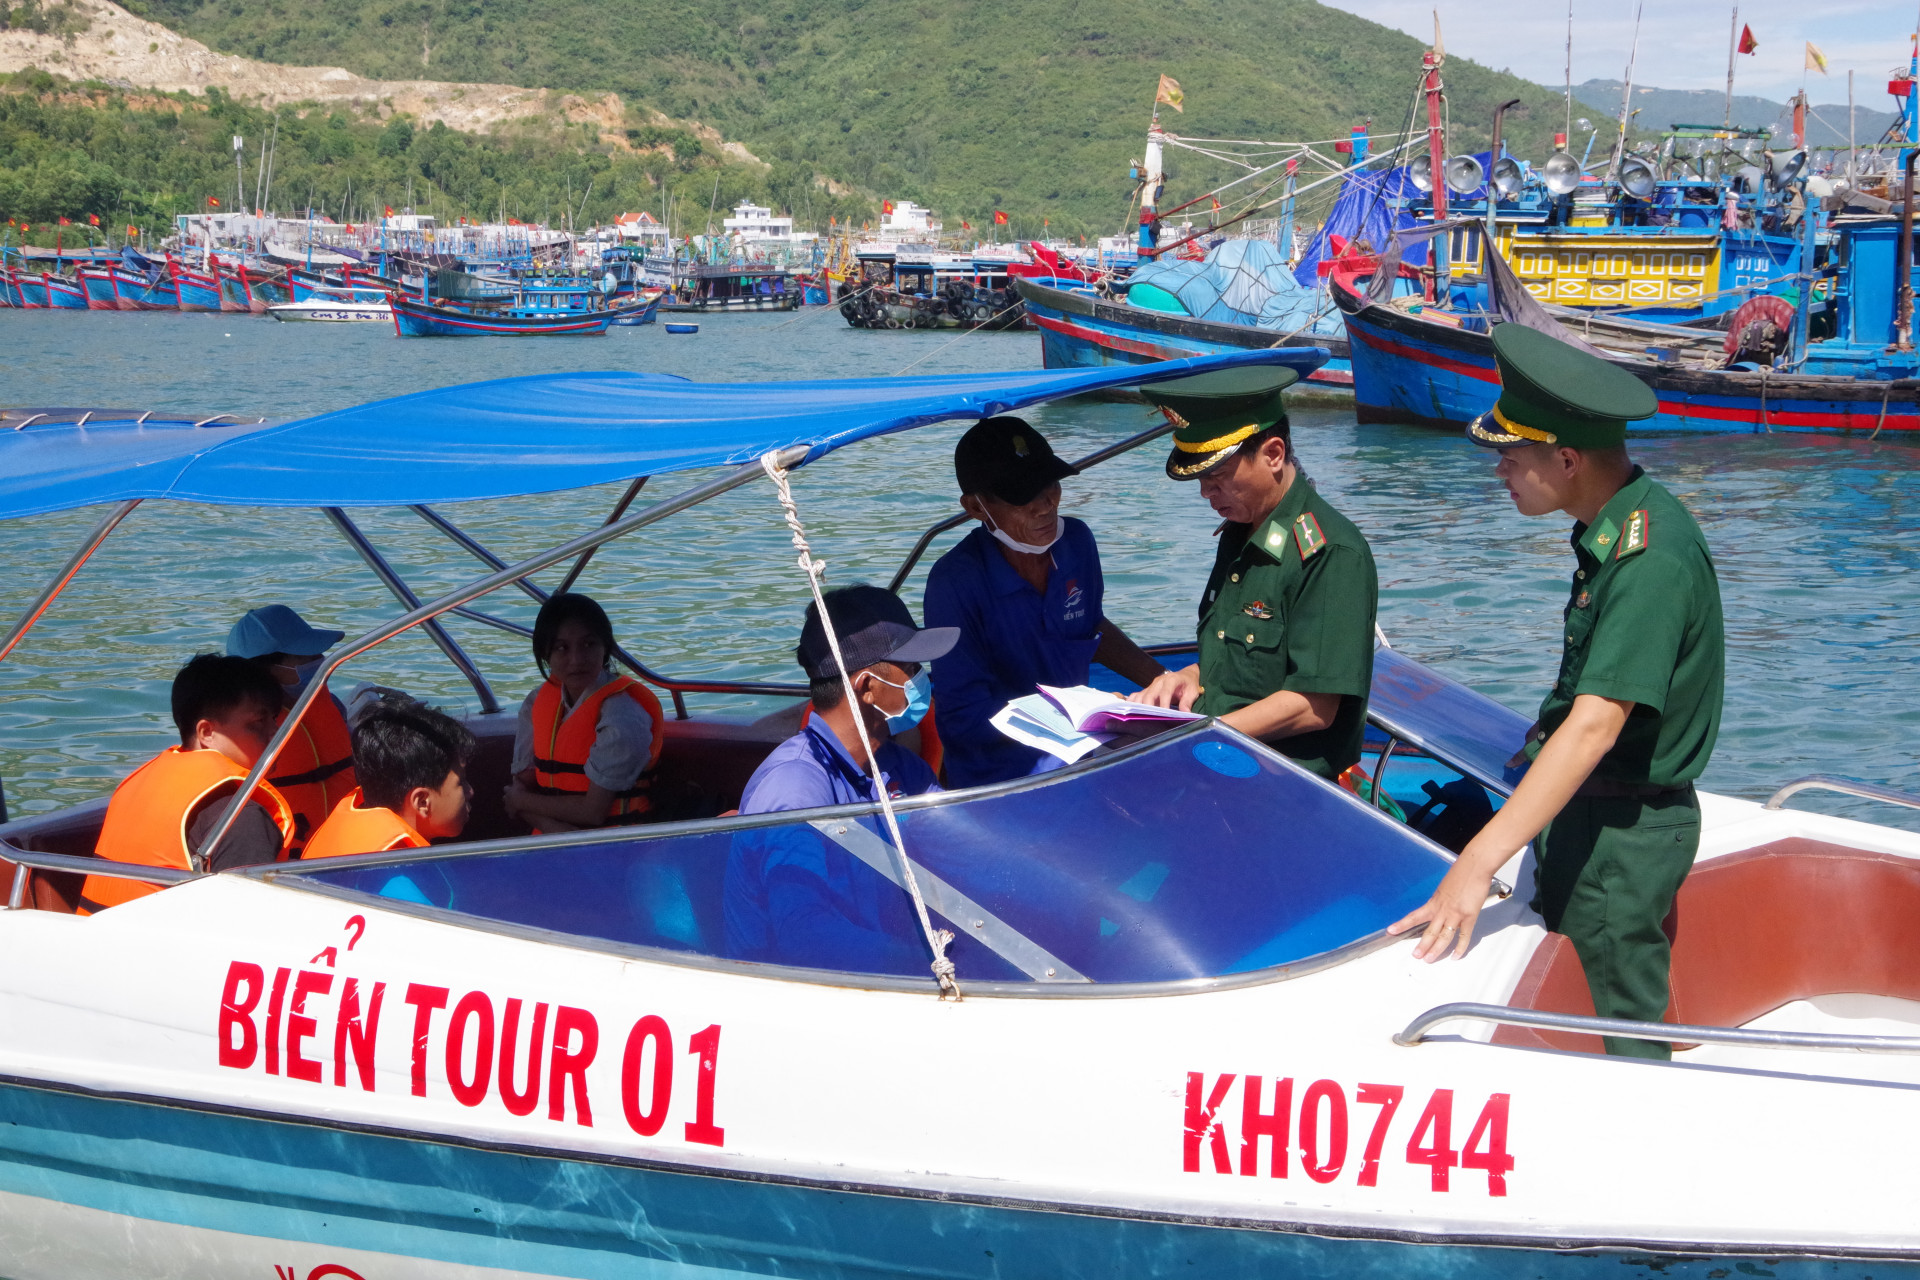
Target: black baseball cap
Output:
[(873, 626), (1007, 458)]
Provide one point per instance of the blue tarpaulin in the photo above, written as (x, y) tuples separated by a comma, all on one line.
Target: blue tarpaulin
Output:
[(513, 436), (1371, 206)]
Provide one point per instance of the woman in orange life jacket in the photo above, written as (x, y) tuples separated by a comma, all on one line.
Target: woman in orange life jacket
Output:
[(165, 811), (588, 740), (314, 771), (412, 764)]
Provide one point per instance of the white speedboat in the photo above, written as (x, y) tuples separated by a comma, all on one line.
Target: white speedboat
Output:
[(1184, 1044), (334, 310)]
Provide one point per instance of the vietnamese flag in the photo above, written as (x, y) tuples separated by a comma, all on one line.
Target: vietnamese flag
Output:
[(1747, 43), (132, 230), (93, 219), (213, 202), (886, 206), (965, 225), (389, 209), (999, 217), (65, 222)]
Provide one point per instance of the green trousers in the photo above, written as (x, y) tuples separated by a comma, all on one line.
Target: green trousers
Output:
[(1607, 870)]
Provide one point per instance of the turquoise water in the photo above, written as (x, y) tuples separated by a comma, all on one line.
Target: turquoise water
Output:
[(1814, 536)]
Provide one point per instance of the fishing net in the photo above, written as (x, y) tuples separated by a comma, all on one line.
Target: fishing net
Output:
[(1238, 282)]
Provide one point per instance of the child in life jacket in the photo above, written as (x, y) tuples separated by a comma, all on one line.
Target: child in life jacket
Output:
[(165, 813), (412, 764), (588, 740)]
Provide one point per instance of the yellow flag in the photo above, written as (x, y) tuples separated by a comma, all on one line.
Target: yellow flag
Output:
[(1170, 94), (1816, 60)]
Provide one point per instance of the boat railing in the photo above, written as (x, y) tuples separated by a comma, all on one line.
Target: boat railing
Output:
[(1846, 787), (1093, 459), (1671, 1032), (27, 861)]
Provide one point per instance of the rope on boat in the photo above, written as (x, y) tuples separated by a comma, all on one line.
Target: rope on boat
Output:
[(833, 304), (965, 333), (937, 939)]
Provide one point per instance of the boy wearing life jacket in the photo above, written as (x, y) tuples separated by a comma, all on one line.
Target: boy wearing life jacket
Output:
[(314, 771), (165, 811), (412, 765), (588, 740)]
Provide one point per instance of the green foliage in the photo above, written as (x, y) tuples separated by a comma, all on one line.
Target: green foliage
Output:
[(60, 18), (1034, 107), (70, 151)]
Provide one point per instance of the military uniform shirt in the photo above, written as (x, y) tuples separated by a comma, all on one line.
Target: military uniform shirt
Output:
[(1290, 606), (1643, 626)]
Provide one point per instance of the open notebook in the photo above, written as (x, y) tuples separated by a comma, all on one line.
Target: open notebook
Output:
[(1069, 723)]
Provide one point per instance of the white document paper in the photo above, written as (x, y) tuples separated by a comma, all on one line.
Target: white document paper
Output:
[(1090, 710), (1039, 724)]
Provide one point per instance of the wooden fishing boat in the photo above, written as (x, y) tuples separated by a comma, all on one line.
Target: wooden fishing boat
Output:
[(533, 310), (721, 290), (1083, 327), (1184, 1042)]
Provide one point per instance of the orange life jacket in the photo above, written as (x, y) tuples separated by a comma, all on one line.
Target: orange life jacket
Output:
[(560, 746), (351, 828), (932, 751), (147, 818), (314, 771)]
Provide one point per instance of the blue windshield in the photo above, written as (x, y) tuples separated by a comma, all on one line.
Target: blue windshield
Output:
[(1465, 728), (1200, 855)]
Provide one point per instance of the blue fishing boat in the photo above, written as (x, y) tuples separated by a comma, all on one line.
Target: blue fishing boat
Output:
[(721, 290), (1765, 372), (636, 309), (1176, 1036), (531, 310)]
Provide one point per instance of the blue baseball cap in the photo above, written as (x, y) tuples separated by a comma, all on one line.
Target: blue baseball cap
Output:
[(275, 628)]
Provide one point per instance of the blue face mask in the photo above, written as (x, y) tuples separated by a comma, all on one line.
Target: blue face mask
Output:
[(919, 700)]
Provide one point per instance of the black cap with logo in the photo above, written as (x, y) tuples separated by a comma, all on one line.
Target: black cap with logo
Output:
[(873, 626), (1007, 459)]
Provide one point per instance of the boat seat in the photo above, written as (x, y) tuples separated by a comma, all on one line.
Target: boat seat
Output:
[(1756, 930)]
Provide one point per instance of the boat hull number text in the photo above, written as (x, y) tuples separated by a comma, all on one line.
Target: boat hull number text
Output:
[(1318, 1127)]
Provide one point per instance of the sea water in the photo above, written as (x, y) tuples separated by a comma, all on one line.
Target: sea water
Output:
[(1814, 537)]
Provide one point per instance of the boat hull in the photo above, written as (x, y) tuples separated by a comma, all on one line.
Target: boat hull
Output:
[(412, 319), (722, 306), (109, 1185), (64, 294), (1415, 370), (1079, 331), (332, 312), (135, 293)]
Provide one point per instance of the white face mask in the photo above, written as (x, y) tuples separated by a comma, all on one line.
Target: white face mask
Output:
[(1026, 548)]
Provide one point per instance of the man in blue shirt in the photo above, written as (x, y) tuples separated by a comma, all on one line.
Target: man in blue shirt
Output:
[(793, 896), (1026, 594)]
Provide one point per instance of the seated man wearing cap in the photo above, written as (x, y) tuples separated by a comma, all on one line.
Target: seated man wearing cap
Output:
[(1632, 719), (1286, 622), (314, 771), (1025, 592), (791, 896)]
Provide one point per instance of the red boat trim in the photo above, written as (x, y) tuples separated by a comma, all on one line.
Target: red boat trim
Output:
[(1867, 417), (1108, 340), (1403, 350)]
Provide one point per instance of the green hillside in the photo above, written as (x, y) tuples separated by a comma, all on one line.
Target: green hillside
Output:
[(1032, 107)]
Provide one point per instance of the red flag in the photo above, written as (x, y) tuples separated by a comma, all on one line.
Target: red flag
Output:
[(65, 223), (965, 225), (389, 209), (93, 219), (886, 206), (999, 218), (1216, 204), (1747, 43), (213, 202)]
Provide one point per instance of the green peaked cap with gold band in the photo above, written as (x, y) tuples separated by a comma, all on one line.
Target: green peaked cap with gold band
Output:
[(1215, 413), (1553, 393)]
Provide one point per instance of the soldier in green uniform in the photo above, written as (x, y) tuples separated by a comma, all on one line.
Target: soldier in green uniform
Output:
[(1632, 719), (1286, 622)]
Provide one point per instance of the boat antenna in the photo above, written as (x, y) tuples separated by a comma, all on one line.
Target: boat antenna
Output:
[(1569, 127), (1733, 46), (1626, 98)]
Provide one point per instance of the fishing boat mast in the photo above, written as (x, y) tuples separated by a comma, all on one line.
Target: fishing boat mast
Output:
[(1152, 182), (1440, 286)]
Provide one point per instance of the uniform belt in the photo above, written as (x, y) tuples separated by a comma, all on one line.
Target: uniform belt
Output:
[(1608, 789)]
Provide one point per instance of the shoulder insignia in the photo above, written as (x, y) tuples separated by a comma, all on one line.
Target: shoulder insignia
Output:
[(1307, 536), (1633, 538)]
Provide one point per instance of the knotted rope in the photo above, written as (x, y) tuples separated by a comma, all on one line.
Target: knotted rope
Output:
[(937, 939)]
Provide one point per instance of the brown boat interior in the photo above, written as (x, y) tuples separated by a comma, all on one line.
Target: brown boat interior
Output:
[(1755, 930), (704, 765)]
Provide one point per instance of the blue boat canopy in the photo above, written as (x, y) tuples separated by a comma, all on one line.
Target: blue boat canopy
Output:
[(507, 438)]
